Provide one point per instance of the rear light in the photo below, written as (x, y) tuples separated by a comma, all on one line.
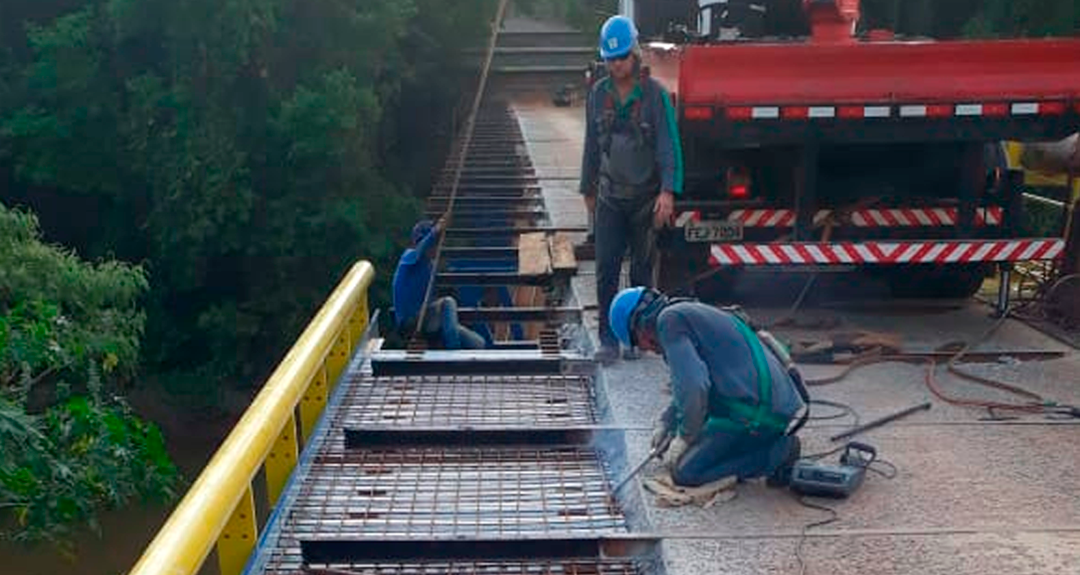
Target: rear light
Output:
[(698, 113), (739, 113), (939, 110), (1051, 108), (995, 110), (850, 112), (795, 113), (738, 183)]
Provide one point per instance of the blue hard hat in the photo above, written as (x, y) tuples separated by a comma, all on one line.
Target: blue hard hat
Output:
[(621, 313), (421, 230), (618, 36)]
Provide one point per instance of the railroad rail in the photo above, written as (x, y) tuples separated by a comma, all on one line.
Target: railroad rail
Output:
[(425, 460)]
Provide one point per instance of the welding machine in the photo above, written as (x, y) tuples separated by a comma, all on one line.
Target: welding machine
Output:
[(811, 477)]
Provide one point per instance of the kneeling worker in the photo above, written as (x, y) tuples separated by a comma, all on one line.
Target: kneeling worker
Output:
[(733, 399), (414, 272)]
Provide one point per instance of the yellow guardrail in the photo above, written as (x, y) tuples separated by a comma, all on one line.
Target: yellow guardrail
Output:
[(1015, 150), (220, 506)]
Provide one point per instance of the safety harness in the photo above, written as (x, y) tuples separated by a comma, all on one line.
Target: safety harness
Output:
[(608, 116), (758, 418), (742, 416)]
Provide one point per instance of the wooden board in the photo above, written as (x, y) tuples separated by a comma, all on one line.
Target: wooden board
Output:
[(534, 257), (562, 252)]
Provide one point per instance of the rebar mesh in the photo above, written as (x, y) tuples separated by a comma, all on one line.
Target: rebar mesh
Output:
[(457, 492), (291, 565), (469, 400)]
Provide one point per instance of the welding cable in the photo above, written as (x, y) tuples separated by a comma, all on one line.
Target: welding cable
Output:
[(833, 518), (1037, 404), (890, 473), (459, 166), (843, 410)]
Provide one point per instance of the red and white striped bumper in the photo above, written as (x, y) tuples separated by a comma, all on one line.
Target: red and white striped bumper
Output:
[(885, 253), (869, 218)]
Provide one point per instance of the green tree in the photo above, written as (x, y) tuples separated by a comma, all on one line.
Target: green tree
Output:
[(248, 151), (69, 342)]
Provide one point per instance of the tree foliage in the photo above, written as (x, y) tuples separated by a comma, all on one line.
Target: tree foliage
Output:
[(69, 341), (247, 151)]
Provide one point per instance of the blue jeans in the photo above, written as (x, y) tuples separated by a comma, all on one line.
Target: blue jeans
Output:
[(441, 322), (720, 454)]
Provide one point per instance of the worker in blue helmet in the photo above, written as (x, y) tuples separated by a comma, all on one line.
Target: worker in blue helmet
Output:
[(632, 168), (735, 396), (411, 278)]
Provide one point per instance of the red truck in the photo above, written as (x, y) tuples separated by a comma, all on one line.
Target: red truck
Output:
[(834, 146)]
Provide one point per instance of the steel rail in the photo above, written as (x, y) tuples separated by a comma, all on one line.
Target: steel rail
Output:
[(470, 124)]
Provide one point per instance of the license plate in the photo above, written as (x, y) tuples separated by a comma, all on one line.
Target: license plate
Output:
[(713, 231)]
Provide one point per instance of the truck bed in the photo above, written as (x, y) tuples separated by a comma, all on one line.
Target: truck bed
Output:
[(975, 91)]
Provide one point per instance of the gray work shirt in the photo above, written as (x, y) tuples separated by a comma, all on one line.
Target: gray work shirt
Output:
[(632, 157), (709, 359)]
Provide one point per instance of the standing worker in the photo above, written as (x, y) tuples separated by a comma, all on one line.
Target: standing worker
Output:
[(733, 398), (411, 278), (631, 170)]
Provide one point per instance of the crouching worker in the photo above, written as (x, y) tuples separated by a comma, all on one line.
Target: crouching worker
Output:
[(733, 397), (414, 272)]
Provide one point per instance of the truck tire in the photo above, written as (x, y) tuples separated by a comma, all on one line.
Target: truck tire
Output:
[(935, 282)]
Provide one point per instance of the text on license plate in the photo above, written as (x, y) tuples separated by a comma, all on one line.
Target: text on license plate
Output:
[(713, 231)]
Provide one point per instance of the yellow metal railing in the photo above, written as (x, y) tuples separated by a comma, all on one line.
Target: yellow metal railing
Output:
[(1015, 150), (220, 507)]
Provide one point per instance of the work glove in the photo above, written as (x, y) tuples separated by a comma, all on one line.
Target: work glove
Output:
[(664, 428), (674, 452), (661, 433)]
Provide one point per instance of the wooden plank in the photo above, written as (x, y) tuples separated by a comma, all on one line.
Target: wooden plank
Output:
[(562, 252), (534, 257)]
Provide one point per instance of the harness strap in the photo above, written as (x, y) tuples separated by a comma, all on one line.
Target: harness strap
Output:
[(607, 124), (757, 417)]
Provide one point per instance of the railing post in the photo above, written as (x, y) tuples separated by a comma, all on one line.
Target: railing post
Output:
[(237, 540), (281, 461), (338, 357), (311, 405), (359, 320)]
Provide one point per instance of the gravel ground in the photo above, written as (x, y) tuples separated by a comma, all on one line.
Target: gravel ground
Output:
[(971, 496)]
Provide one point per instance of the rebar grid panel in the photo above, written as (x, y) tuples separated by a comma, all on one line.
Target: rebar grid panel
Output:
[(290, 563), (539, 567), (479, 400), (463, 492)]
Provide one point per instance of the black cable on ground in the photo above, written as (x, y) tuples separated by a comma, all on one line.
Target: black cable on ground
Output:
[(833, 518), (844, 411), (889, 472)]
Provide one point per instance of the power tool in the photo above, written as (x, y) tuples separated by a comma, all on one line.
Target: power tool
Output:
[(817, 479)]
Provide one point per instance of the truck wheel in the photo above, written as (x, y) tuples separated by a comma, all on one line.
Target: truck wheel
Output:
[(935, 282)]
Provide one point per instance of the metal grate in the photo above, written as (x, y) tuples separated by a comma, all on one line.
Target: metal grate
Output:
[(469, 400), (456, 493)]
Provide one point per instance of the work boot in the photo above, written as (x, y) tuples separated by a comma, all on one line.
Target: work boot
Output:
[(607, 354), (781, 477)]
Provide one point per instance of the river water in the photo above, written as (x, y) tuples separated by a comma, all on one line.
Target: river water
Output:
[(125, 533)]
